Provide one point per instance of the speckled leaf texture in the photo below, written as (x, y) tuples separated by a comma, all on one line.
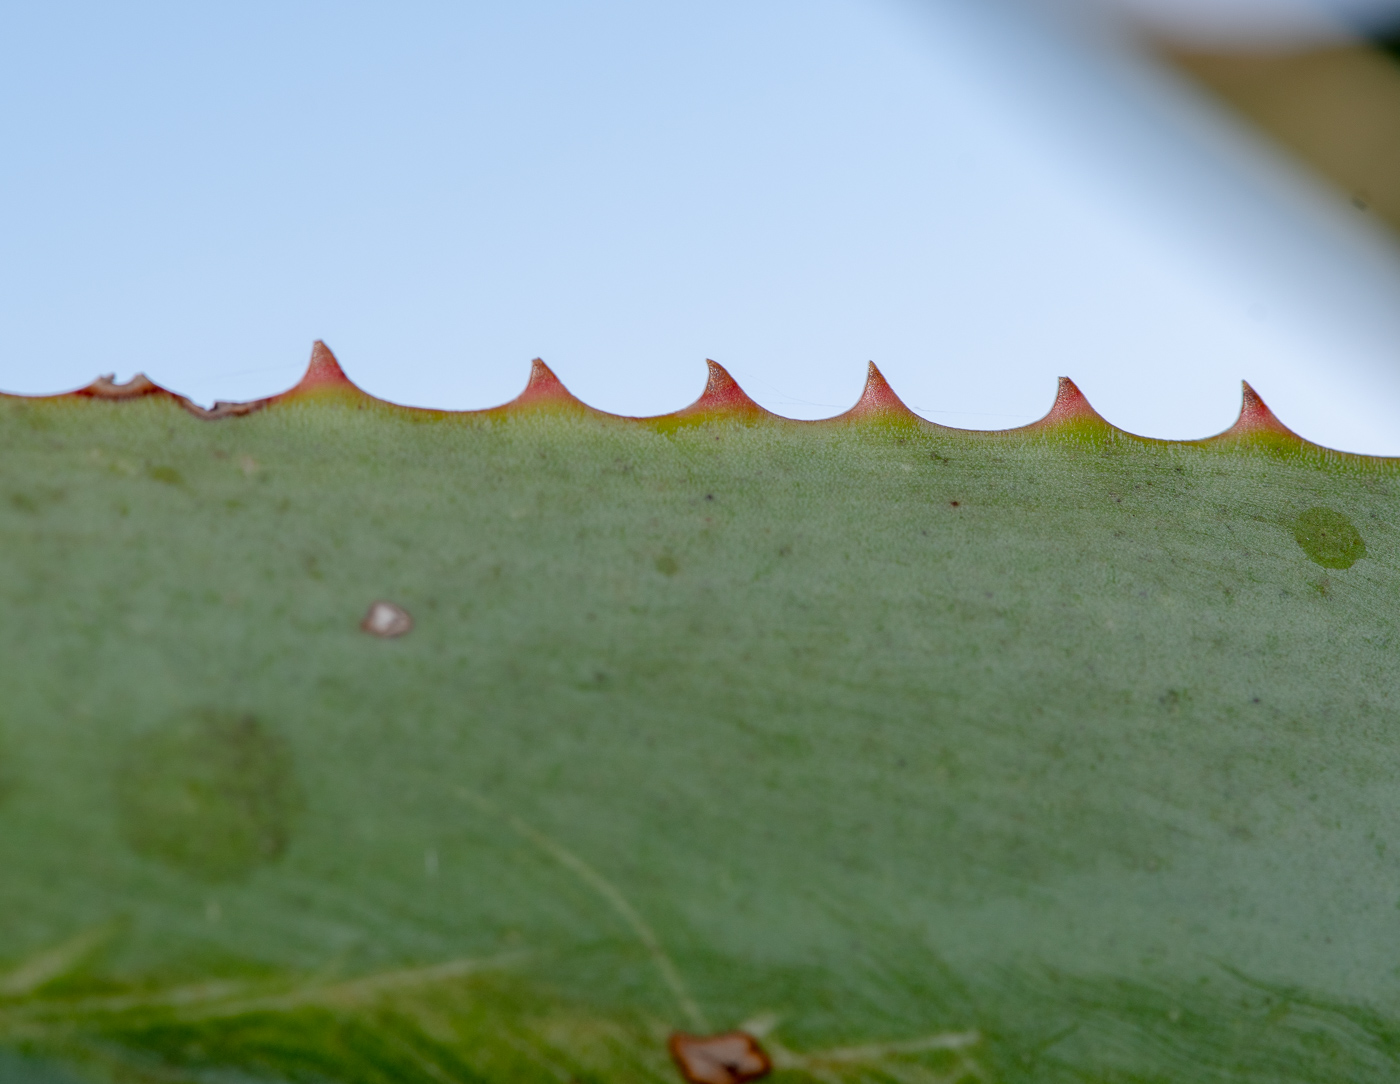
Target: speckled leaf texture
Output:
[(917, 755)]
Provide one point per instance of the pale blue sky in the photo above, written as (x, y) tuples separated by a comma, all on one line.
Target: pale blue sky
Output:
[(973, 199)]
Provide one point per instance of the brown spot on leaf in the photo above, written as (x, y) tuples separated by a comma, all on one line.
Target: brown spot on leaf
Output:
[(387, 620), (730, 1058)]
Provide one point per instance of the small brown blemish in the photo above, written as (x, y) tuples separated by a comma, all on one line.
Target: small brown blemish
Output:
[(386, 620), (730, 1058), (955, 504)]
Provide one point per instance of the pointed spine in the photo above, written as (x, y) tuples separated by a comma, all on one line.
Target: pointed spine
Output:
[(323, 374), (877, 397), (1070, 406), (722, 398), (323, 379), (879, 403), (1256, 420), (543, 390), (1070, 412)]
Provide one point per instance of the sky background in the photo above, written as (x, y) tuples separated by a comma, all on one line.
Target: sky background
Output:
[(973, 195)]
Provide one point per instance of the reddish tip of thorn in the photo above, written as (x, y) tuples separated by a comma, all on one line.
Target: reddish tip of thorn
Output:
[(542, 377), (1255, 416), (1070, 405), (322, 372), (878, 397), (542, 387), (722, 394)]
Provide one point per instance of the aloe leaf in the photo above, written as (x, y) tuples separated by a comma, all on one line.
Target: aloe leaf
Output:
[(348, 742)]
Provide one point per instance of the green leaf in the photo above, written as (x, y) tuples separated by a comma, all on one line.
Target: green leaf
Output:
[(917, 754)]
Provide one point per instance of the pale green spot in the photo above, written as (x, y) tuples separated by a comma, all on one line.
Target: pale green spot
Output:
[(1329, 538)]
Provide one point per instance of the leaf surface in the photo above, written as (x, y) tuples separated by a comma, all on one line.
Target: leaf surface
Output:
[(916, 754)]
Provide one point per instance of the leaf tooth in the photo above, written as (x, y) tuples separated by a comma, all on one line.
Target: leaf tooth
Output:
[(323, 373), (1070, 405), (543, 389), (1071, 412), (543, 382), (722, 397), (879, 402), (1255, 418), (877, 394)]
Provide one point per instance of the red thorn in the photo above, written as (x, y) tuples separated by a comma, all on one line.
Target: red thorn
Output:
[(877, 399), (1256, 417), (542, 388), (543, 382), (323, 374), (722, 395), (323, 371), (1070, 405)]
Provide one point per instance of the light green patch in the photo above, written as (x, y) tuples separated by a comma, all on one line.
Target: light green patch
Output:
[(1329, 538)]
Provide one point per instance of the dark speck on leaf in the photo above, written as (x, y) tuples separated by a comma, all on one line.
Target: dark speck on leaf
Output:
[(169, 475)]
